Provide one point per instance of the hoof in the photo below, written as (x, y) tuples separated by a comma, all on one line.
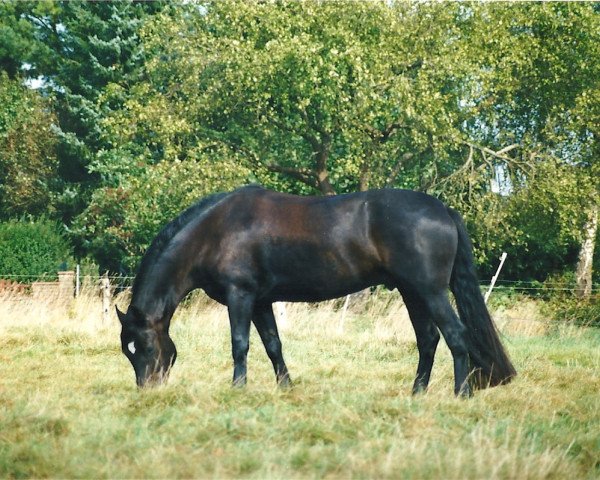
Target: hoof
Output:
[(239, 382), (284, 383), (464, 392), (419, 389)]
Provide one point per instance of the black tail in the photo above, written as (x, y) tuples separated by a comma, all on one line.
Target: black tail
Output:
[(488, 358)]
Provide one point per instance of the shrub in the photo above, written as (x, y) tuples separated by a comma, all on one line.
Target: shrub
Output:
[(580, 311), (32, 250)]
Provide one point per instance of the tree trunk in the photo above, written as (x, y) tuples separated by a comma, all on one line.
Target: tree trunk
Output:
[(365, 177), (322, 157), (583, 273), (324, 183)]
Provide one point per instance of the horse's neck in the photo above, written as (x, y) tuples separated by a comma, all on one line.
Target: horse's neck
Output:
[(157, 295), (166, 282)]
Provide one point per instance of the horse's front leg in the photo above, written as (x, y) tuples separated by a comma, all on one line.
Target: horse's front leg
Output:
[(240, 304), (265, 324)]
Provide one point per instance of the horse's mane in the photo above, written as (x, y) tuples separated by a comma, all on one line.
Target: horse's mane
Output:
[(161, 241)]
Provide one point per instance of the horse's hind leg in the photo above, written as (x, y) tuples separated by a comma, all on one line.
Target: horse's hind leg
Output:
[(454, 333), (427, 340), (265, 324), (240, 305)]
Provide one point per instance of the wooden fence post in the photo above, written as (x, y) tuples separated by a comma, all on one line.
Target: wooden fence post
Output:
[(77, 281), (66, 285)]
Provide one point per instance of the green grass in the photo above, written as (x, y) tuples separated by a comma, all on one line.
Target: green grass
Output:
[(69, 406)]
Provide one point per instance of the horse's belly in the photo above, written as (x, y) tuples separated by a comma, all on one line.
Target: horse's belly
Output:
[(312, 294), (320, 279)]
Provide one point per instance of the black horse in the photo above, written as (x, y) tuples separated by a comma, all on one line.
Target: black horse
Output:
[(252, 247)]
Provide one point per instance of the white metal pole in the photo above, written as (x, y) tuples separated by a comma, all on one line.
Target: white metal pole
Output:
[(280, 312), (495, 277), (344, 311)]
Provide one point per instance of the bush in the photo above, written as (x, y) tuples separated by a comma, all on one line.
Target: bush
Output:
[(32, 250), (579, 311)]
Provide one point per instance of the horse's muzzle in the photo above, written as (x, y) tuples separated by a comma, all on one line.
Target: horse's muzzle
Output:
[(154, 380)]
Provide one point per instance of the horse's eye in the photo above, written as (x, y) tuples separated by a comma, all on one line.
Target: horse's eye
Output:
[(131, 347)]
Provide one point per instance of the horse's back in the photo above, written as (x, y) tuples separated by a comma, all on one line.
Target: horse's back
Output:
[(290, 247), (296, 248)]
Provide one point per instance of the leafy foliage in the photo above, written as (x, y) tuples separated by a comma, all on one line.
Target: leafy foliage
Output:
[(157, 105), (20, 47), (121, 222), (28, 163), (32, 249), (332, 95), (77, 48), (567, 308), (548, 213)]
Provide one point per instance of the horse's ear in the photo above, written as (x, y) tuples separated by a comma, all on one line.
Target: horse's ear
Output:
[(121, 315), (137, 316), (133, 317)]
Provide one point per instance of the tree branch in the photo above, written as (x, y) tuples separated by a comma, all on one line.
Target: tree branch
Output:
[(382, 136), (499, 154), (396, 170), (305, 176)]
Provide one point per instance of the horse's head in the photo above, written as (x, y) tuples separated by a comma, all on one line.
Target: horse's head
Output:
[(147, 346)]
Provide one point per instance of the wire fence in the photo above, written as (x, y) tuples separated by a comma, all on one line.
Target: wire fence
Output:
[(518, 286), (46, 276), (106, 286), (533, 287)]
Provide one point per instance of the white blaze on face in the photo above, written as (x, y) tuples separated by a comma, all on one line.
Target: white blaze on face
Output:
[(131, 347)]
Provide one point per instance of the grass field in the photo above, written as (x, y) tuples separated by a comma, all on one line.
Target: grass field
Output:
[(69, 406)]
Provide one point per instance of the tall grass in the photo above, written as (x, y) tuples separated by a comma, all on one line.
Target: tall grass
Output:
[(69, 406)]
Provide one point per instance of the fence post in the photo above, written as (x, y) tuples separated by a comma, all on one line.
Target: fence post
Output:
[(495, 277), (105, 287), (281, 315), (77, 281), (344, 311), (65, 284)]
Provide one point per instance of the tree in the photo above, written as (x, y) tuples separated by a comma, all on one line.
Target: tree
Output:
[(28, 163), (77, 48), (20, 48), (335, 97), (318, 96), (120, 222), (324, 97), (547, 81)]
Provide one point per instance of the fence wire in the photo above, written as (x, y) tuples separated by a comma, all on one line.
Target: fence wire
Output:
[(501, 285)]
